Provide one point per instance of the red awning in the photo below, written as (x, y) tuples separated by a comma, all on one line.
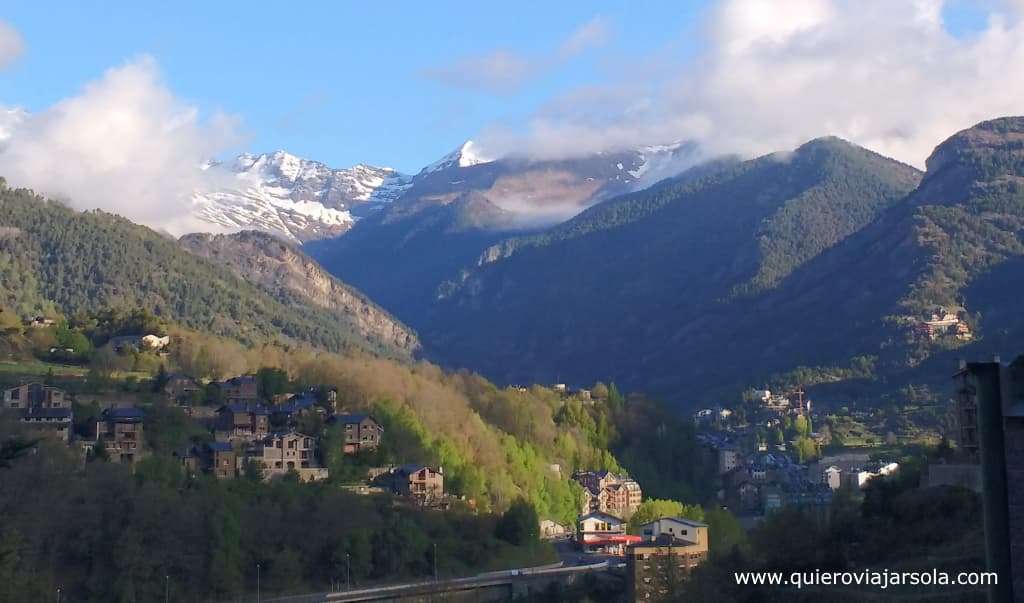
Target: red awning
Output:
[(618, 539)]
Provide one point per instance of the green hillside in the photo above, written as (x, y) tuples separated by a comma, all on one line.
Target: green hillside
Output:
[(55, 259)]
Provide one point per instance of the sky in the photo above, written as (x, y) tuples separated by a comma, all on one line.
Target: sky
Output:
[(340, 82), (115, 104)]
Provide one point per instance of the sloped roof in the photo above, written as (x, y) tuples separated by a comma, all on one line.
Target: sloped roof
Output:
[(124, 414)]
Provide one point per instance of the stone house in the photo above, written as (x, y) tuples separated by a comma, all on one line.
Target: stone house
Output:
[(216, 458), (420, 481), (240, 390), (35, 395), (120, 432), (242, 422), (180, 387), (362, 432), (607, 492), (280, 453)]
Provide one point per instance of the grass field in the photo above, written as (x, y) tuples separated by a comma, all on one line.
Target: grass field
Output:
[(38, 367), (28, 368)]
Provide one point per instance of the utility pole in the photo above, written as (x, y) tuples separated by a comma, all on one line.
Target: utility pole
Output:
[(257, 583)]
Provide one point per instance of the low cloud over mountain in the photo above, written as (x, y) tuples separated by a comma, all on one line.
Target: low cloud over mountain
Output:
[(769, 75)]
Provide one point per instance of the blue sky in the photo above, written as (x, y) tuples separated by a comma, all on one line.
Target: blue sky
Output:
[(401, 84), (341, 82)]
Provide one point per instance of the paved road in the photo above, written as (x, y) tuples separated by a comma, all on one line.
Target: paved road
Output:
[(572, 556), (419, 588)]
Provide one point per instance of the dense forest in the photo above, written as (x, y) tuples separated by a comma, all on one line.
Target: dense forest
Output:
[(56, 260), (103, 533)]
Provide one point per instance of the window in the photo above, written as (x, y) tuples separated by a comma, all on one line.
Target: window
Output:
[(15, 394)]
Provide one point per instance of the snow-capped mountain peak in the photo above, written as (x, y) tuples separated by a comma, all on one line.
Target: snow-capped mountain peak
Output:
[(468, 154), (295, 198)]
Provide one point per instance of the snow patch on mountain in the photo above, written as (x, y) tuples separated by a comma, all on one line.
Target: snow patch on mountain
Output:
[(294, 198), (467, 155)]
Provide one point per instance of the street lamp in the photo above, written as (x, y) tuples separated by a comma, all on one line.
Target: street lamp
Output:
[(257, 583), (58, 595), (167, 588), (348, 572), (435, 562)]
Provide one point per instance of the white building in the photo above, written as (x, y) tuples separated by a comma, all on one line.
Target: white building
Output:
[(677, 527)]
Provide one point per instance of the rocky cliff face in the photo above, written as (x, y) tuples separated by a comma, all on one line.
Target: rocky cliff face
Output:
[(294, 277)]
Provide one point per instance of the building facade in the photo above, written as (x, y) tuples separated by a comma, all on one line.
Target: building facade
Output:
[(120, 432), (280, 453), (671, 548), (362, 432), (419, 481), (242, 423)]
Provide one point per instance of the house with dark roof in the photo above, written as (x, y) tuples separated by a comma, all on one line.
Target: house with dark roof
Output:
[(181, 387), (120, 432), (296, 406), (362, 432), (420, 481), (242, 422), (216, 458), (240, 390), (35, 395), (51, 421), (41, 406), (283, 452)]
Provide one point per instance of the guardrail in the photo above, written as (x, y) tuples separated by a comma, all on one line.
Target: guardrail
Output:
[(496, 578)]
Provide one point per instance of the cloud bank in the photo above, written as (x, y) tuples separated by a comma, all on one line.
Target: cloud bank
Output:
[(125, 143), (770, 75)]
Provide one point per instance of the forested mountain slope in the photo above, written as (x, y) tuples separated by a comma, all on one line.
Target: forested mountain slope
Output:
[(52, 257), (637, 287)]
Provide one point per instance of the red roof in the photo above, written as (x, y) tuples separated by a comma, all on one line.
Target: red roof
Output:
[(618, 539)]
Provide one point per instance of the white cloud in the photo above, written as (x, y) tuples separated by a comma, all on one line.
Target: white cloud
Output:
[(502, 72), (592, 34), (772, 74), (497, 72), (125, 144), (11, 45)]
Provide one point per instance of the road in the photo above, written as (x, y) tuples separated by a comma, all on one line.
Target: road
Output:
[(571, 556), (581, 564)]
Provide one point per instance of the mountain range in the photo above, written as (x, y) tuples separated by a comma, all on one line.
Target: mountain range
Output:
[(823, 258), (820, 265), (303, 200)]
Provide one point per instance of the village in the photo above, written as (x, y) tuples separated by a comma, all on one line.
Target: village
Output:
[(283, 437), (770, 457), (763, 453)]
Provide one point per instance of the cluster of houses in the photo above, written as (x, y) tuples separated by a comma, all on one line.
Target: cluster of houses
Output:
[(943, 323), (44, 407), (247, 433), (609, 500), (758, 483), (660, 555)]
